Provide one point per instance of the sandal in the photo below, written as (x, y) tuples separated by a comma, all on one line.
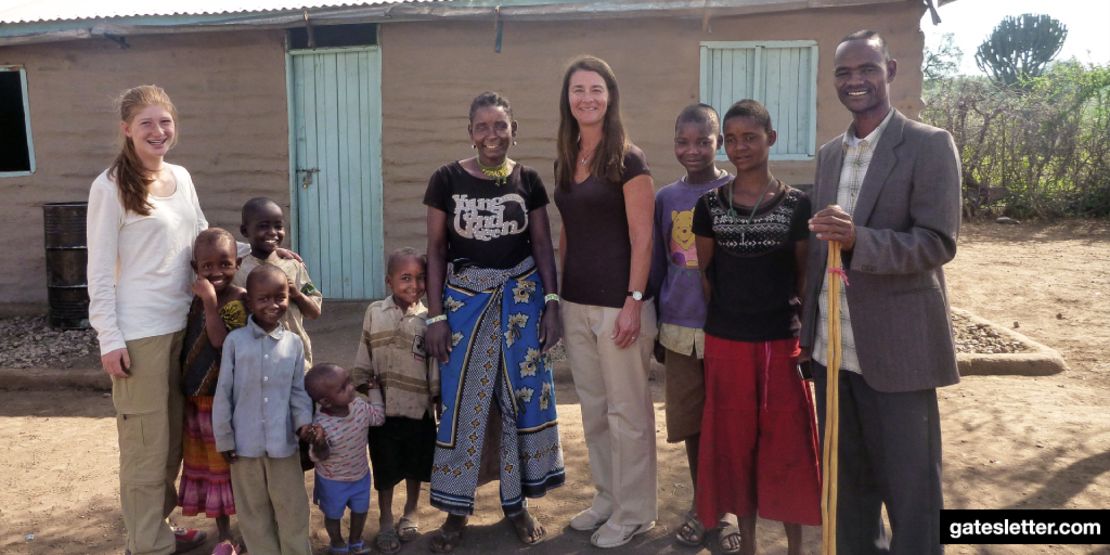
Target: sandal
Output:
[(359, 548), (408, 529), (445, 540), (692, 532), (387, 541), (338, 550), (730, 540), (528, 529), (187, 539)]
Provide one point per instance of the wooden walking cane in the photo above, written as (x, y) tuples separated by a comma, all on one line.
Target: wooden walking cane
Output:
[(829, 459)]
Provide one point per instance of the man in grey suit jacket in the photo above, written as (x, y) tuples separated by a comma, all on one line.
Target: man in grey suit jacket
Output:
[(888, 190)]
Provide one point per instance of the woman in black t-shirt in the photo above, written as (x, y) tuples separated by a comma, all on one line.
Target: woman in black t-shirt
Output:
[(493, 314), (606, 198), (758, 443)]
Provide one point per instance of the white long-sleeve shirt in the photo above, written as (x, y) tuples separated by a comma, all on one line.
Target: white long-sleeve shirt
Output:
[(140, 280)]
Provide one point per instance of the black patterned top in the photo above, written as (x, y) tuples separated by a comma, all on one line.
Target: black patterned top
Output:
[(754, 271)]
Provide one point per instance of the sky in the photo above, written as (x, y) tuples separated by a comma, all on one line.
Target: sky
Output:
[(972, 21)]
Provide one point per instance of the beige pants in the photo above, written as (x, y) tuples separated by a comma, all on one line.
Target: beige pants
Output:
[(271, 505), (149, 411), (617, 414)]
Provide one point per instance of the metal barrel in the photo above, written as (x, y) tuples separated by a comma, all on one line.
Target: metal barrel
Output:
[(67, 256)]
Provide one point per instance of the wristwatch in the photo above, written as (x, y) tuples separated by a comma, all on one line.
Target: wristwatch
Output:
[(636, 295)]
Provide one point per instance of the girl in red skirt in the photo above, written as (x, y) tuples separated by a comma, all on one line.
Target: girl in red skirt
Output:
[(217, 308), (759, 445)]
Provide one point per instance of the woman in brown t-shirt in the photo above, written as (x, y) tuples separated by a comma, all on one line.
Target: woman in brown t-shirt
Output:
[(605, 195)]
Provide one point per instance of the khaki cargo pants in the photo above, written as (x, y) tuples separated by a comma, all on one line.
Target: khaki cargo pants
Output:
[(149, 412), (271, 504)]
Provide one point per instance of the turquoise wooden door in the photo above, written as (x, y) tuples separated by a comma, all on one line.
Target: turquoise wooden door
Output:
[(335, 168)]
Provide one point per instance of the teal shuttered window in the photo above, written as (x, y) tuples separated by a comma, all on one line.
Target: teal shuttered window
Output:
[(780, 74)]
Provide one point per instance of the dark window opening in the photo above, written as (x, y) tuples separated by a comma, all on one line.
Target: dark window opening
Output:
[(15, 150), (331, 36)]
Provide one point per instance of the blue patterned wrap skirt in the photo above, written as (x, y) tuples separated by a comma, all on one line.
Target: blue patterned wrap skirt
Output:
[(494, 316)]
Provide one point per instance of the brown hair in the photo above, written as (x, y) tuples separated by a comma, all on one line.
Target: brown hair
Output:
[(400, 255), (869, 36), (488, 99), (253, 206), (318, 377), (127, 170), (700, 114), (214, 237), (608, 160), (749, 108)]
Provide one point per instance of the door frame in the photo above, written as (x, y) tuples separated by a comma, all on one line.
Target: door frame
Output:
[(373, 153)]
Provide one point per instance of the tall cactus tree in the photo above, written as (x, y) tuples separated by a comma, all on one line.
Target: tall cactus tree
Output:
[(1020, 48)]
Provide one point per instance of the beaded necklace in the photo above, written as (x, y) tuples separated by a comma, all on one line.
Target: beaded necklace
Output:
[(498, 174)]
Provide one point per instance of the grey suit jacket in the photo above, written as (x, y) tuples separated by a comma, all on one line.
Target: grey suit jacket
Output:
[(907, 217)]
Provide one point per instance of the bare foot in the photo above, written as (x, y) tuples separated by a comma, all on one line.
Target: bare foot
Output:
[(528, 529)]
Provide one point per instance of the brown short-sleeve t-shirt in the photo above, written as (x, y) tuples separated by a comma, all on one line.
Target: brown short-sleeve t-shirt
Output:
[(598, 250)]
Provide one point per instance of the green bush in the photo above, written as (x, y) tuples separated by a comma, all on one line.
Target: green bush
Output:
[(1038, 149)]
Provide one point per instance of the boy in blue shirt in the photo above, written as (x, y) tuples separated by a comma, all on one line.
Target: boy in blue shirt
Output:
[(259, 409)]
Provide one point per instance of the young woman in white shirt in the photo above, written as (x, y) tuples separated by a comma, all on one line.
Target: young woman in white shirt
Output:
[(142, 219)]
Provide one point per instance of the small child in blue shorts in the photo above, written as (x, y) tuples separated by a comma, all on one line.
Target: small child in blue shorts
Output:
[(338, 447)]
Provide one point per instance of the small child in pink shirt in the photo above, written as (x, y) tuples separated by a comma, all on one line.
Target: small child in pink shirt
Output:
[(338, 447)]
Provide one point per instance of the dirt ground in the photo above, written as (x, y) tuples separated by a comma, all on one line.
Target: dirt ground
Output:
[(1009, 442)]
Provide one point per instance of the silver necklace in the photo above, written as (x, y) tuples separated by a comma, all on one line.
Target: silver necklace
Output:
[(583, 160), (751, 215)]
